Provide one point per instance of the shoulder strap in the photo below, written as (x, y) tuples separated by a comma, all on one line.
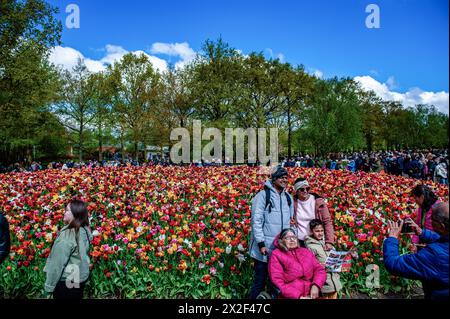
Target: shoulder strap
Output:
[(64, 268), (87, 235), (288, 198)]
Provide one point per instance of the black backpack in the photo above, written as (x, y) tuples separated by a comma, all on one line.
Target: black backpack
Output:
[(269, 203)]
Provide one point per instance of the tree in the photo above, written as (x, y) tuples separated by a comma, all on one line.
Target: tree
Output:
[(137, 93), (372, 117), (394, 124), (177, 95), (332, 120), (437, 130), (76, 107), (214, 87), (28, 83), (258, 103), (26, 24), (101, 102), (296, 86)]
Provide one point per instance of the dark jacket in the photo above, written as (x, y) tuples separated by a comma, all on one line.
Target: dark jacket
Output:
[(430, 264), (5, 243)]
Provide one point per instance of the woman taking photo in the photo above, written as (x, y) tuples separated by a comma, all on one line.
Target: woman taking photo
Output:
[(425, 199), (294, 270), (67, 266)]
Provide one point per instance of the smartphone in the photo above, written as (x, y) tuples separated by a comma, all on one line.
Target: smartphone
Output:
[(407, 229)]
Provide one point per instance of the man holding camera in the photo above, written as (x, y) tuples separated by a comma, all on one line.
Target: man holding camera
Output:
[(431, 264)]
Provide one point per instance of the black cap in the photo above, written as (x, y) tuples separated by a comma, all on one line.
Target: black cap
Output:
[(278, 172)]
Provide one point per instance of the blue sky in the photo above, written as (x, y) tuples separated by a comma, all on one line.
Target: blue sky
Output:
[(409, 53)]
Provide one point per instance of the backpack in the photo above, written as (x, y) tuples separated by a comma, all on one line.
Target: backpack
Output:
[(269, 203)]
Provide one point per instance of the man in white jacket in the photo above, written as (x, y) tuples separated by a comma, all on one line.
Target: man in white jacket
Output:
[(272, 211)]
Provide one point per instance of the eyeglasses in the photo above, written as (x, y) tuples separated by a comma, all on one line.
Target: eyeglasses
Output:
[(290, 238), (304, 190)]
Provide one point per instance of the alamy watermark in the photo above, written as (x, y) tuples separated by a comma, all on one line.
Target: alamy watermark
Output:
[(373, 278), (373, 19), (73, 280), (257, 145), (73, 19)]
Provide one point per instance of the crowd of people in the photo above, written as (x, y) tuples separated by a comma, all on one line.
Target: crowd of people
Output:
[(38, 166), (424, 165)]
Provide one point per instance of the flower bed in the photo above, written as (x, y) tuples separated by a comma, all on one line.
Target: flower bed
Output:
[(183, 232)]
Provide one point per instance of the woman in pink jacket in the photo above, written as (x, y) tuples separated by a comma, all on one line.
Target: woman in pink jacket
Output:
[(294, 270), (425, 199)]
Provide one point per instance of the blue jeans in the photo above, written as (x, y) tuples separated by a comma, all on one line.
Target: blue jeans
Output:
[(443, 181), (259, 281)]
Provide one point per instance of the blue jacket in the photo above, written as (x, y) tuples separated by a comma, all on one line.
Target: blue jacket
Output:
[(267, 225), (430, 264)]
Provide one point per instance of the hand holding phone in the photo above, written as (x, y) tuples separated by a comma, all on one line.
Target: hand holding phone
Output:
[(410, 227)]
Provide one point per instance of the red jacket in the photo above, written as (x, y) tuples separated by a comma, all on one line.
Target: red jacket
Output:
[(323, 214), (295, 271)]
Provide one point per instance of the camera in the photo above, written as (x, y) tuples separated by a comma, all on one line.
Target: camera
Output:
[(407, 229)]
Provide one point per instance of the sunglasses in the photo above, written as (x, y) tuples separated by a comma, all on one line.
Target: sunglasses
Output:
[(304, 189)]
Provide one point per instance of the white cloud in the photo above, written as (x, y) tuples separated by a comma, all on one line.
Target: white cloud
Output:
[(391, 83), (181, 50), (314, 72), (270, 51), (242, 53), (272, 54), (67, 58), (318, 74), (410, 98), (157, 63), (94, 66), (113, 53), (280, 56), (178, 49)]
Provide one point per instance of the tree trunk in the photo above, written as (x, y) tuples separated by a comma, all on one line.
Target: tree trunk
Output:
[(80, 146), (289, 133), (369, 142), (136, 151), (100, 150), (100, 144), (145, 153), (80, 140)]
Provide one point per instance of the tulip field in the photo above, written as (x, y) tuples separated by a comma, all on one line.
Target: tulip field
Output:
[(183, 232)]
